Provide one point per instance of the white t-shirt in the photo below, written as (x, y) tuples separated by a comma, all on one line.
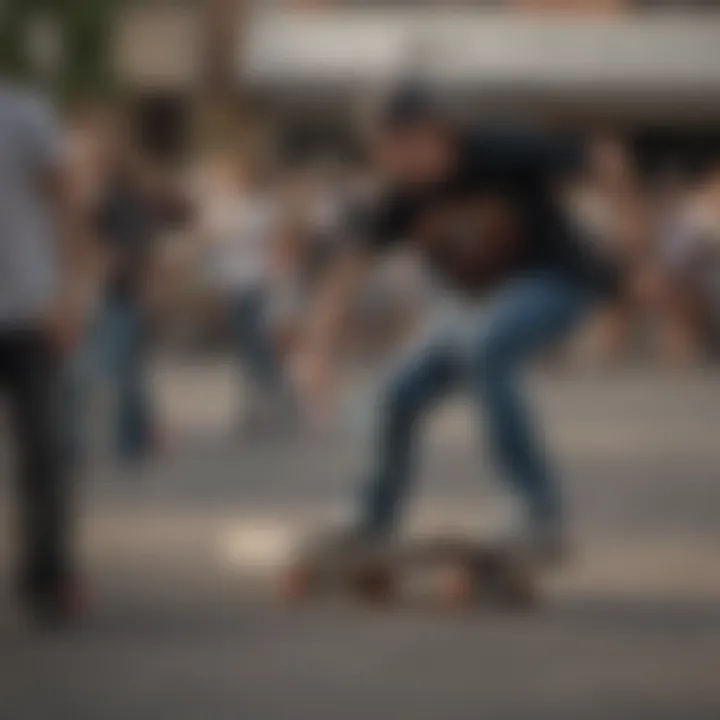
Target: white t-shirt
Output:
[(240, 232), (30, 146)]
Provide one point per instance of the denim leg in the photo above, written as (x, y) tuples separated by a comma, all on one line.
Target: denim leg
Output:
[(124, 348), (419, 383), (527, 317), (134, 412), (253, 343), (258, 356)]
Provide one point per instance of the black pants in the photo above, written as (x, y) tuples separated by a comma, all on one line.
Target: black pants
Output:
[(29, 376)]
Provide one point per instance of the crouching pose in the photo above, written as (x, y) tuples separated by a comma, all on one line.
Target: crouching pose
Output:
[(483, 207)]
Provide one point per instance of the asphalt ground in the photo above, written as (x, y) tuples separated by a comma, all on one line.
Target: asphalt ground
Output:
[(182, 555)]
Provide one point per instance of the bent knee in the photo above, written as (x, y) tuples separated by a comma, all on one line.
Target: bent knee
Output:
[(403, 398), (493, 356)]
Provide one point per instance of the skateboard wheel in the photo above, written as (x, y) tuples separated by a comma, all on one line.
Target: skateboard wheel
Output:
[(520, 592), (457, 588), (374, 584)]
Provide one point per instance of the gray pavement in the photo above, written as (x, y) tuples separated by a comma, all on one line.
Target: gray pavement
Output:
[(182, 553)]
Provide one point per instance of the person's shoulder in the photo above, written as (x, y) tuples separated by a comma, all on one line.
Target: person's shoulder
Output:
[(25, 104), (30, 116), (13, 103)]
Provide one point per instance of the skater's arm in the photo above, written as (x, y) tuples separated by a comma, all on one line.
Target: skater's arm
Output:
[(372, 228), (314, 366), (334, 300)]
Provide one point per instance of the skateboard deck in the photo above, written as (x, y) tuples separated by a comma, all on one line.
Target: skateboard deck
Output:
[(454, 572)]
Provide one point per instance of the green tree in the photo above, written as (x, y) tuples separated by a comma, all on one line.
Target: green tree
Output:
[(84, 30), (15, 17), (88, 34)]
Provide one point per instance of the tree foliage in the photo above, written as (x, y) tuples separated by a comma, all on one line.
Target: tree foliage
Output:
[(84, 28)]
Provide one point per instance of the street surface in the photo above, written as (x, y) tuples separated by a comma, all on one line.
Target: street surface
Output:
[(181, 555)]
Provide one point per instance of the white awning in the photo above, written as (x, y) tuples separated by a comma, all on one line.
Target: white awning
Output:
[(655, 55)]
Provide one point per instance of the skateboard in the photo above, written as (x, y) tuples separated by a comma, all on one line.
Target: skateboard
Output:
[(454, 572)]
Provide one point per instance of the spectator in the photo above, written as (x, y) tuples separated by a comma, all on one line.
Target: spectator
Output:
[(241, 224), (40, 244), (135, 205), (690, 245), (613, 224)]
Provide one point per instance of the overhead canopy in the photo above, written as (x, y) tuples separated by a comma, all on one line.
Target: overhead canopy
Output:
[(654, 56)]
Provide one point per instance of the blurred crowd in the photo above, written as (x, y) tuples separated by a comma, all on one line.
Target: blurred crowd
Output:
[(224, 251), (667, 310), (227, 249)]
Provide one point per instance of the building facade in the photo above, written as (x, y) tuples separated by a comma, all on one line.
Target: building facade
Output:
[(651, 66)]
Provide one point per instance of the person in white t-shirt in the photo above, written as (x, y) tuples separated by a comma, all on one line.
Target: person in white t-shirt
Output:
[(240, 223), (40, 322)]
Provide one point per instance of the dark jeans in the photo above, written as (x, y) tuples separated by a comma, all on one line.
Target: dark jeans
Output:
[(29, 375), (526, 317), (114, 353), (121, 342), (257, 354)]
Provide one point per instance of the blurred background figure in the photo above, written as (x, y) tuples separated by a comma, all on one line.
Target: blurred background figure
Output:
[(707, 260), (240, 225), (126, 225), (689, 239), (609, 206), (666, 284), (136, 203), (311, 203), (40, 320)]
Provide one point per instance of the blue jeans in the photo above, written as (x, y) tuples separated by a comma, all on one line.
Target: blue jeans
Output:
[(119, 346), (526, 316), (114, 353), (256, 352)]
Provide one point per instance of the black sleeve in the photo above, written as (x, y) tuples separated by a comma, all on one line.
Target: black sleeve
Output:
[(384, 223), (563, 156), (530, 153)]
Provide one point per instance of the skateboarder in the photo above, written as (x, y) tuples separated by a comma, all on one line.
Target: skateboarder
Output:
[(482, 206)]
